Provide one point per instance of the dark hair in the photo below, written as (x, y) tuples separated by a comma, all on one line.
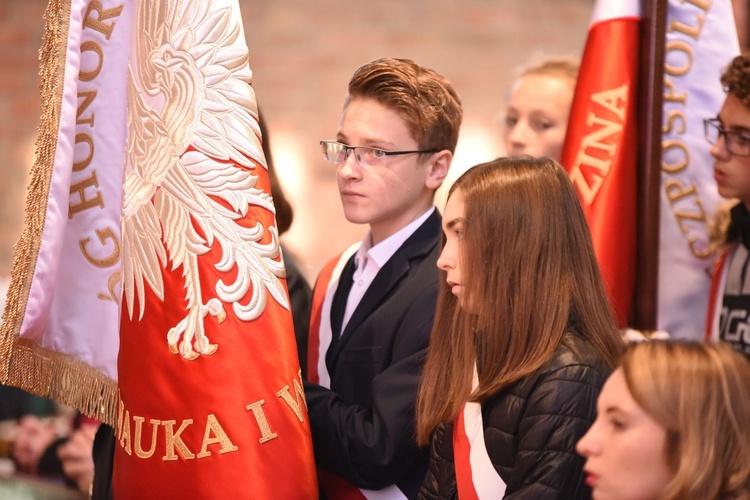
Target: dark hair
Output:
[(284, 211), (425, 100), (736, 82), (529, 274), (736, 79)]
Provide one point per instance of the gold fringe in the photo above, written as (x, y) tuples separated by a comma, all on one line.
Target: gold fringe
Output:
[(22, 363), (64, 378)]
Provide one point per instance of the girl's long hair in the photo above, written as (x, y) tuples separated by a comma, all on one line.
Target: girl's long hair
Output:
[(529, 276)]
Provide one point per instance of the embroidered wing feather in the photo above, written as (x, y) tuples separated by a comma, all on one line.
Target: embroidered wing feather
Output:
[(194, 140)]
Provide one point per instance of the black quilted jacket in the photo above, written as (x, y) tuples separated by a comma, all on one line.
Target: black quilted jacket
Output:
[(531, 429)]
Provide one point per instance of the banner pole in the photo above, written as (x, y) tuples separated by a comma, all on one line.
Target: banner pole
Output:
[(651, 75)]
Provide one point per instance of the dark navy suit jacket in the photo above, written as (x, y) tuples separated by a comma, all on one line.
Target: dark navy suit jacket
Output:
[(363, 427)]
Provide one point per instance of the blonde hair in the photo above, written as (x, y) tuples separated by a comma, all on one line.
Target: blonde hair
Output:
[(700, 393), (719, 236), (567, 67)]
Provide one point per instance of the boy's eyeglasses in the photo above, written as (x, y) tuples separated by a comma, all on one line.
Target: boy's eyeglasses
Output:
[(337, 152), (738, 143)]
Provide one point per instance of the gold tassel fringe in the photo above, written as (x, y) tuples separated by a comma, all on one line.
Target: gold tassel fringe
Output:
[(22, 363)]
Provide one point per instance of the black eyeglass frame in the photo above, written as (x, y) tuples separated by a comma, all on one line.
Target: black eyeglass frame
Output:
[(730, 136), (348, 148)]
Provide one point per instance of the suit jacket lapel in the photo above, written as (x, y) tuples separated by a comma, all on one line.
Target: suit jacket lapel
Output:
[(397, 268)]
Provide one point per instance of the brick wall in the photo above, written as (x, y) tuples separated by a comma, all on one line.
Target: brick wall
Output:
[(21, 29)]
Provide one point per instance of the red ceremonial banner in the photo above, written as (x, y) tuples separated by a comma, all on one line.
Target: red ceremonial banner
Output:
[(211, 398), (601, 148), (150, 216), (229, 423)]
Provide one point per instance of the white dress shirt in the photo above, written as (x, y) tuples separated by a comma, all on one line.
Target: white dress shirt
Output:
[(370, 259)]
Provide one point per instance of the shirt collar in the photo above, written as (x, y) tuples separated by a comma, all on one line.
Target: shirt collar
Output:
[(384, 250)]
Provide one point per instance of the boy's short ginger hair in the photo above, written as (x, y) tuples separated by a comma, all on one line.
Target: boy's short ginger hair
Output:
[(426, 101)]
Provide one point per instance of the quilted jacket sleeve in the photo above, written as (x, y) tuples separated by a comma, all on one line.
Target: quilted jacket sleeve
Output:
[(559, 411), (440, 483), (531, 429)]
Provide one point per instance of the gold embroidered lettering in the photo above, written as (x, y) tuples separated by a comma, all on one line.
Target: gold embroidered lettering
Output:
[(103, 15), (260, 418), (139, 452), (213, 426), (112, 282), (684, 215), (85, 203), (88, 97), (672, 116), (678, 46), (684, 199), (588, 190), (614, 100), (84, 138), (676, 190), (691, 31), (701, 4), (299, 388), (293, 403), (174, 440), (89, 46), (670, 144), (120, 411), (125, 437), (670, 95), (595, 139), (104, 235)]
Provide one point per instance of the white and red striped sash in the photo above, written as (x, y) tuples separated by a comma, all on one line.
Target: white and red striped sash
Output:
[(320, 333), (476, 477), (716, 296), (319, 340)]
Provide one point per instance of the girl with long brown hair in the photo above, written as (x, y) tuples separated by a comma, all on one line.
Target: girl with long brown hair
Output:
[(522, 341)]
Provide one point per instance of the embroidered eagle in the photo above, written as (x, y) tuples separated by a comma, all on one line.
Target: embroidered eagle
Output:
[(193, 142)]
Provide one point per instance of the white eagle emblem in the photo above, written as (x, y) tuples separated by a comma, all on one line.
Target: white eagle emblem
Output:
[(191, 117)]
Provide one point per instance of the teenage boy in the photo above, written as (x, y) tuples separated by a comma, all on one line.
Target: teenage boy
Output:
[(729, 133), (374, 305)]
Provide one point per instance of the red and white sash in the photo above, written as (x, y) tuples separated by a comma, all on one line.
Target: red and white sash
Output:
[(319, 341), (716, 297), (320, 334), (476, 477)]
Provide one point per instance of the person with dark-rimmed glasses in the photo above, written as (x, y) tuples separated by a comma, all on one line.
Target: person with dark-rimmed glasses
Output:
[(736, 142), (728, 316), (373, 305)]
